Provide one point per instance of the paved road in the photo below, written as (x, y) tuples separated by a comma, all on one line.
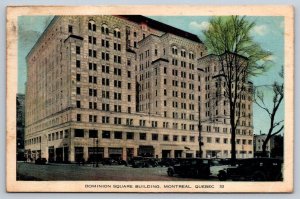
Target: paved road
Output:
[(52, 172)]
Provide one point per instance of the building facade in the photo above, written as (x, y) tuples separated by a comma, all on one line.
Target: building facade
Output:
[(258, 142), (120, 86)]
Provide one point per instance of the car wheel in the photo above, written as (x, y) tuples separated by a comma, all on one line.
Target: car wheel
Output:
[(222, 176), (170, 172), (258, 176)]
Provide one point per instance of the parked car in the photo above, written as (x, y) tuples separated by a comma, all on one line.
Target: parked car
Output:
[(168, 162), (256, 169), (109, 161), (41, 161), (218, 168), (190, 167), (142, 162)]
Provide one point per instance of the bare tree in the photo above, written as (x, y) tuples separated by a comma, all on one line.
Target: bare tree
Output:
[(239, 57), (276, 126)]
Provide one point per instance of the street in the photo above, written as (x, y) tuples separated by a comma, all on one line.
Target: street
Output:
[(73, 172)]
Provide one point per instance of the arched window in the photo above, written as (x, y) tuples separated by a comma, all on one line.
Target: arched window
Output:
[(104, 29), (117, 33), (183, 53), (92, 25), (174, 50), (191, 55)]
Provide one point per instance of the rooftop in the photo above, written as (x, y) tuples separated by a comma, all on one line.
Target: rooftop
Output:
[(160, 26)]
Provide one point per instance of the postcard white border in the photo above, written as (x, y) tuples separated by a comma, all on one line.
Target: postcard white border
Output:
[(170, 10)]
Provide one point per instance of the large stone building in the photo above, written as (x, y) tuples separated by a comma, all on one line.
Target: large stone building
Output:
[(121, 86)]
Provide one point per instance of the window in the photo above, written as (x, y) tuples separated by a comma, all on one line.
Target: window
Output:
[(208, 139), (217, 140), (106, 134), (183, 138), (117, 33), (155, 136), (105, 56), (92, 66), (105, 69), (78, 117), (117, 84), (78, 90), (143, 136), (93, 92), (78, 105), (105, 82), (175, 138), (105, 94), (70, 29), (78, 50), (78, 63), (117, 120), (117, 71), (92, 26), (129, 135), (105, 107), (104, 29), (225, 141), (78, 77), (105, 120), (93, 133), (118, 135), (66, 133), (192, 138), (129, 98), (165, 137), (174, 50), (79, 133)]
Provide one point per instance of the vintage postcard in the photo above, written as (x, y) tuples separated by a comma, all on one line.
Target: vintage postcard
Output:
[(150, 98)]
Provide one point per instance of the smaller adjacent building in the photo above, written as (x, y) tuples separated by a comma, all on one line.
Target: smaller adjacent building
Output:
[(258, 143)]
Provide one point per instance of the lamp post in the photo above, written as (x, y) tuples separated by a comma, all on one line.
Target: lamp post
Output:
[(94, 153), (199, 118), (97, 153)]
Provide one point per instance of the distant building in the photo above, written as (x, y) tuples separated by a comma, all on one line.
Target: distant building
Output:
[(258, 142), (123, 86), (20, 125)]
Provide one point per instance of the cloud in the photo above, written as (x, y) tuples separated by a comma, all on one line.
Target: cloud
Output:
[(260, 30), (204, 25)]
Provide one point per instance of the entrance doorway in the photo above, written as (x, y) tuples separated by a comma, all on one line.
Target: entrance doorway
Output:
[(166, 153)]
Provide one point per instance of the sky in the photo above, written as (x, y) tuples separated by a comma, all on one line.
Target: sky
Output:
[(268, 32)]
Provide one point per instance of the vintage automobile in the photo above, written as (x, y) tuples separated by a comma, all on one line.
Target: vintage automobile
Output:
[(218, 168), (188, 167), (109, 161), (143, 162), (41, 161), (256, 169), (166, 162)]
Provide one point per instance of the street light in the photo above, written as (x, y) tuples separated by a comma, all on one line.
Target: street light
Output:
[(199, 118), (97, 153)]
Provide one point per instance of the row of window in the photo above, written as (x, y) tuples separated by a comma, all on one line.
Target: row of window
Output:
[(104, 29), (133, 136), (218, 140), (183, 53)]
